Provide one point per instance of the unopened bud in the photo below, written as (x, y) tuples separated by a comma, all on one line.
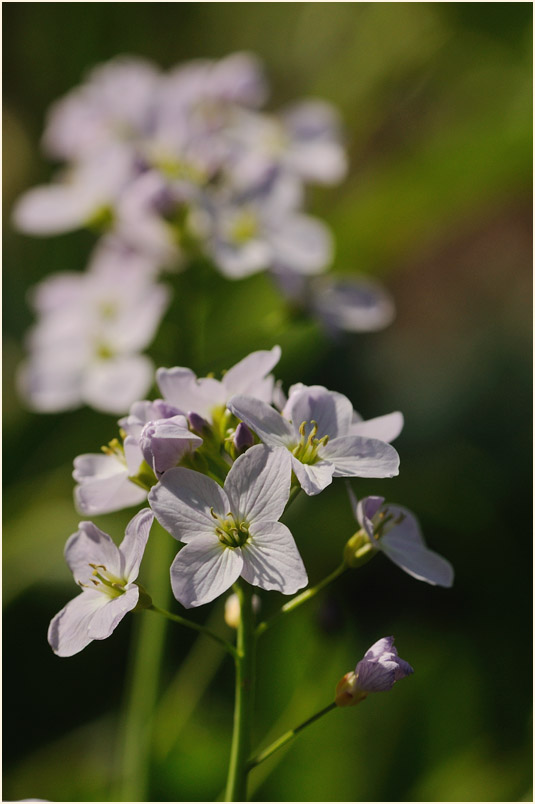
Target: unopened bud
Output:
[(197, 423), (243, 438), (359, 550), (232, 609)]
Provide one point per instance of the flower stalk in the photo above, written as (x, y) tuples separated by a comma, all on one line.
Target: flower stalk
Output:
[(236, 789)]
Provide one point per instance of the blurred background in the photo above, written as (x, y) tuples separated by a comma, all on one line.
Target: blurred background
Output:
[(436, 99)]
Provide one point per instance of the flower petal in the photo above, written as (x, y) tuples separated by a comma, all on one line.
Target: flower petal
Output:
[(267, 423), (375, 676), (248, 377), (271, 559), (90, 545), (181, 387), (166, 441), (133, 545), (354, 456), (104, 485), (385, 428), (106, 619), (404, 546), (203, 570), (330, 410), (112, 385), (182, 501), (68, 632), (313, 477), (258, 484)]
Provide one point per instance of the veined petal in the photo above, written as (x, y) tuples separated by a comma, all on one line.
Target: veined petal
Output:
[(68, 632), (271, 559), (313, 477), (330, 410), (366, 510), (133, 545), (182, 502), (267, 423), (354, 456), (90, 545), (181, 387), (249, 375), (166, 441), (258, 484), (106, 619), (375, 676), (203, 570), (385, 428), (414, 557), (104, 485)]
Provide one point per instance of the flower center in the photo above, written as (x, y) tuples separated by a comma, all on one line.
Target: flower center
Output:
[(306, 450), (230, 532), (384, 521), (105, 581), (244, 227)]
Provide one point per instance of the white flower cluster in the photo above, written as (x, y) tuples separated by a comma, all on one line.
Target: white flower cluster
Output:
[(168, 167), (217, 461)]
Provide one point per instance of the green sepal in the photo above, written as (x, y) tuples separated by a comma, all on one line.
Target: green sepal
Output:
[(358, 550)]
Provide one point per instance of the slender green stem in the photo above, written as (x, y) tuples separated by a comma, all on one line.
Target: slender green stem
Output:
[(236, 789), (202, 629), (288, 737), (297, 601)]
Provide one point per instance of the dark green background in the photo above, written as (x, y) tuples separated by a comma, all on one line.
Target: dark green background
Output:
[(436, 99)]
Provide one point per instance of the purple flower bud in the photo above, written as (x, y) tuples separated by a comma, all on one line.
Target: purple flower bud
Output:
[(378, 671), (243, 438), (197, 423)]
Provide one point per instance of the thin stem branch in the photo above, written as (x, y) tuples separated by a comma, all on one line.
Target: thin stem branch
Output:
[(288, 737), (297, 601), (202, 629), (236, 789)]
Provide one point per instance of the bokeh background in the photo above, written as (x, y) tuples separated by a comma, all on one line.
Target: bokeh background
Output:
[(436, 99)]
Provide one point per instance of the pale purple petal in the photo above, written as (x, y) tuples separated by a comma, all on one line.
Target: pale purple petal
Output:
[(133, 455), (237, 261), (90, 545), (354, 456), (383, 646), (68, 632), (313, 478), (301, 243), (104, 485), (181, 387), (351, 304), (203, 570), (133, 545), (366, 510), (107, 618), (271, 559), (258, 484), (330, 410), (375, 676), (248, 377), (243, 438), (182, 502), (385, 428), (166, 441), (414, 557), (266, 422), (54, 209)]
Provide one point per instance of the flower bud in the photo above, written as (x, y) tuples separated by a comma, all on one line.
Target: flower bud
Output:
[(232, 609), (347, 692), (378, 671), (359, 550), (243, 438), (198, 424)]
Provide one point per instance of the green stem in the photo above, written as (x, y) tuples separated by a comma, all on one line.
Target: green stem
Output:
[(202, 629), (297, 601), (236, 789), (288, 737)]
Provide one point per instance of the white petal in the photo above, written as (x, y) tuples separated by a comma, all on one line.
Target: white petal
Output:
[(54, 209), (330, 410), (181, 387), (247, 376), (182, 501), (239, 261), (49, 388), (203, 570), (271, 559), (258, 484), (108, 617), (405, 546), (385, 428), (68, 632), (313, 477), (267, 423), (104, 485), (133, 545), (112, 385), (90, 545), (354, 456)]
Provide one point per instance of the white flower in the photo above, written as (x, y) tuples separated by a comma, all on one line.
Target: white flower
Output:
[(230, 531), (107, 575)]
